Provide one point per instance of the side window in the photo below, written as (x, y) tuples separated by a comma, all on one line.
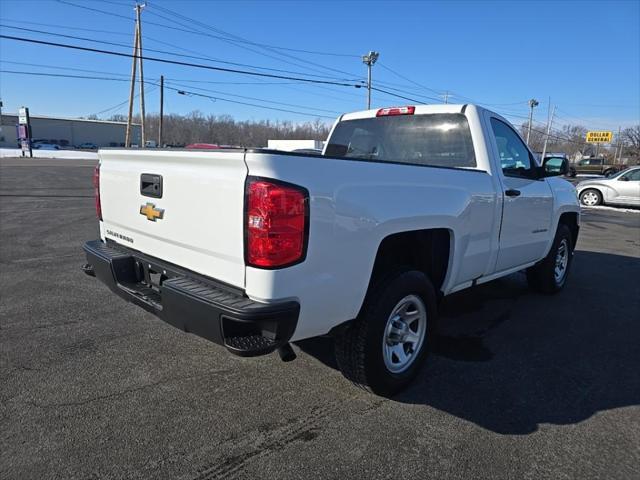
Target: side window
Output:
[(596, 161), (634, 175), (514, 155)]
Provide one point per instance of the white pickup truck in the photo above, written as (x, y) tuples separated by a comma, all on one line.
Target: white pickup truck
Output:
[(255, 248)]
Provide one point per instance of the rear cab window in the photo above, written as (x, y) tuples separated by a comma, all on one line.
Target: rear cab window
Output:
[(437, 140)]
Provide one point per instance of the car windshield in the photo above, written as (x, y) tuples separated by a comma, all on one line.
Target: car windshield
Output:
[(616, 175), (442, 140)]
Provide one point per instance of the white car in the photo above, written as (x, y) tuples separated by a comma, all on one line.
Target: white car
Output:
[(253, 249), (45, 146), (623, 188)]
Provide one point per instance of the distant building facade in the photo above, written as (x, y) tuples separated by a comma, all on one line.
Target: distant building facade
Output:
[(68, 132)]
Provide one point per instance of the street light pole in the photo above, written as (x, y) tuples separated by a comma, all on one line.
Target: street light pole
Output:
[(369, 61), (142, 112), (546, 139), (161, 111), (532, 103)]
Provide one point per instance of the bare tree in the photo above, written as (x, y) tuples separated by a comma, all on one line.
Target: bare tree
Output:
[(195, 127), (631, 140)]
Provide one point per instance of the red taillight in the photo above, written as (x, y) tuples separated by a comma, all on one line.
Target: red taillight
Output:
[(276, 223), (96, 191), (391, 111)]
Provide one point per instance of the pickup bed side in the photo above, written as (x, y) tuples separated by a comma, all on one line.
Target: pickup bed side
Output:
[(354, 206)]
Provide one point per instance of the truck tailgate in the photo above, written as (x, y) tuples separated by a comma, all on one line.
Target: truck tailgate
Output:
[(201, 208)]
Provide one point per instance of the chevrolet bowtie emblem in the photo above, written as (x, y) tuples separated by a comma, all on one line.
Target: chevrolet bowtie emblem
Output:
[(151, 212)]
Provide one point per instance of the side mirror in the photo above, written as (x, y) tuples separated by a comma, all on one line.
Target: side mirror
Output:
[(623, 179), (555, 166)]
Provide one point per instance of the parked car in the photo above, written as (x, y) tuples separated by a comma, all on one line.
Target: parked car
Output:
[(87, 146), (253, 249), (622, 188), (203, 146), (593, 166), (45, 146)]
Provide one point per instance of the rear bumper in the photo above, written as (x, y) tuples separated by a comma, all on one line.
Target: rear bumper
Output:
[(192, 302)]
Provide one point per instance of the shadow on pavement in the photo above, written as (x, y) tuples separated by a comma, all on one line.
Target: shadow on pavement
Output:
[(510, 360)]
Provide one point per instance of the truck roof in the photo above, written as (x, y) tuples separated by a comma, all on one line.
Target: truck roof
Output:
[(420, 109)]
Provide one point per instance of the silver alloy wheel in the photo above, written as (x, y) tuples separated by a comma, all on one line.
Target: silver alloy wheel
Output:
[(404, 333), (590, 198), (562, 260)]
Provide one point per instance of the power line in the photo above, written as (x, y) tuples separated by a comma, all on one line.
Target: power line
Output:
[(196, 65), (189, 30), (235, 43), (235, 39), (179, 90), (66, 27), (74, 37), (176, 62), (253, 98), (239, 39), (408, 79), (395, 95), (259, 44), (58, 67), (121, 104), (95, 10)]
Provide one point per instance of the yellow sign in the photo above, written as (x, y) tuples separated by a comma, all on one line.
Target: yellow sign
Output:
[(599, 137), (151, 212)]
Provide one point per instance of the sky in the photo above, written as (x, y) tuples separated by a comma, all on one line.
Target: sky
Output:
[(584, 56)]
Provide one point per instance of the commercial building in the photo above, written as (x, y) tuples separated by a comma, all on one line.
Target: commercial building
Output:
[(292, 145), (68, 132)]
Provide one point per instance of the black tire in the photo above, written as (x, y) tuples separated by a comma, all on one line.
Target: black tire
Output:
[(541, 277), (359, 348), (608, 173), (572, 172), (591, 191)]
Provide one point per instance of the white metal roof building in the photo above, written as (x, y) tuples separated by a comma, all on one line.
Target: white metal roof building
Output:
[(69, 131)]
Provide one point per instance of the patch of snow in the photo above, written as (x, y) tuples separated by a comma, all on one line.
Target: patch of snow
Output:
[(54, 154), (614, 209)]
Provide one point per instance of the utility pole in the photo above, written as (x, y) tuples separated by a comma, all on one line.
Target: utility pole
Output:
[(161, 110), (532, 103), (127, 140), (618, 147), (546, 139), (142, 113), (446, 97), (369, 60)]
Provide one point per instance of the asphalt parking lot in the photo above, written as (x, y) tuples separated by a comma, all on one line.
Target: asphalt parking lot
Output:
[(521, 386)]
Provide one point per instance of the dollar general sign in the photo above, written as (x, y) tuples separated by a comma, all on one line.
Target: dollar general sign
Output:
[(599, 137)]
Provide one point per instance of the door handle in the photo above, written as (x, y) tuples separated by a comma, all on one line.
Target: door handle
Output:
[(512, 193)]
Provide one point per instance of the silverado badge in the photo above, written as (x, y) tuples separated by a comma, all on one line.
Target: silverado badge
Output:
[(151, 212)]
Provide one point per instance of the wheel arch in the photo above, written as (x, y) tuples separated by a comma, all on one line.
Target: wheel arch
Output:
[(572, 221), (427, 250)]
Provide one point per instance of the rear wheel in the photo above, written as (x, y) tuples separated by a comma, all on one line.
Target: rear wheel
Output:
[(550, 274), (383, 349), (591, 197), (609, 172)]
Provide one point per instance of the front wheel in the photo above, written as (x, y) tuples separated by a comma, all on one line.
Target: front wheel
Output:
[(591, 197), (550, 274), (383, 349)]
